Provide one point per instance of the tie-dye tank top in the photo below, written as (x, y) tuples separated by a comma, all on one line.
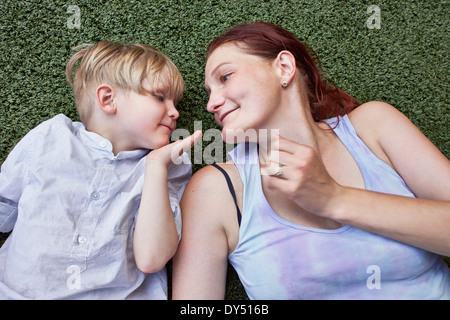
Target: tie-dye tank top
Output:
[(278, 259)]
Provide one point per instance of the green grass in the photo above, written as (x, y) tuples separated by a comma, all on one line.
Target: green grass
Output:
[(404, 63)]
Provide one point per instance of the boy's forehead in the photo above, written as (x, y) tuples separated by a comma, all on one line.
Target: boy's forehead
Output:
[(164, 84), (151, 84)]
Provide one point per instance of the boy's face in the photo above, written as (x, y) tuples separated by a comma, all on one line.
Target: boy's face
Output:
[(144, 121)]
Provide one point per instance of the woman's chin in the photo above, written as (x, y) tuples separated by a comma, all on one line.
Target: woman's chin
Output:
[(238, 135)]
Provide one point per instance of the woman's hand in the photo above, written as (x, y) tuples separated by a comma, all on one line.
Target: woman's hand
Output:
[(298, 172), (304, 179)]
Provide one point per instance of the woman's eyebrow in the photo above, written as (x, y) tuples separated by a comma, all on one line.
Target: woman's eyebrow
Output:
[(208, 91), (218, 66)]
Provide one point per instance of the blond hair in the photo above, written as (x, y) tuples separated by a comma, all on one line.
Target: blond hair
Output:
[(130, 67)]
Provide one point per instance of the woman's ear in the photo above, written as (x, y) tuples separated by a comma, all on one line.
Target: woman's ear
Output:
[(286, 66), (105, 95)]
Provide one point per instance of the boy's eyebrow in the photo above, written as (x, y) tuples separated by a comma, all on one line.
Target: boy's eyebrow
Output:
[(158, 89), (161, 91)]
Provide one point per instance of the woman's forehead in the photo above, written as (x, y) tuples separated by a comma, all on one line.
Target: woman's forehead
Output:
[(230, 53), (223, 52)]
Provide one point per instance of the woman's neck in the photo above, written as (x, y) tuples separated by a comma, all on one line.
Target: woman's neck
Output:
[(295, 122)]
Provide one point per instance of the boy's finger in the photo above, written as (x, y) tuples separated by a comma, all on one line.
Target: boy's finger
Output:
[(189, 142), (197, 135), (186, 143)]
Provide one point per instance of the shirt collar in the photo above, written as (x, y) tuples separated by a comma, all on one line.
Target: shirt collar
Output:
[(104, 146)]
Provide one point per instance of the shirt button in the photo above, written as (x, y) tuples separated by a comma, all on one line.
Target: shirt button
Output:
[(103, 144), (95, 195), (82, 239)]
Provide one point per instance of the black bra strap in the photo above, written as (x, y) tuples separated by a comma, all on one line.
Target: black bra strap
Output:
[(230, 187)]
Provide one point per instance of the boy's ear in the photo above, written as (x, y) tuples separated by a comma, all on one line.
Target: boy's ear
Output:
[(286, 66), (105, 95)]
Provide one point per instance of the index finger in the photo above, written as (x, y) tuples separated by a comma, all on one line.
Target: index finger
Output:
[(280, 143), (185, 144)]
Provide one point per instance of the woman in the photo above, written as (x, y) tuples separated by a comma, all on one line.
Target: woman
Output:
[(345, 203)]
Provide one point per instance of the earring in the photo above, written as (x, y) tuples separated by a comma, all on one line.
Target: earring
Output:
[(284, 84)]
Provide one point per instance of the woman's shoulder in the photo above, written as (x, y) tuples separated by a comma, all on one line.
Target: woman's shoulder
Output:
[(374, 115), (378, 120), (373, 122), (208, 184), (209, 176), (208, 201)]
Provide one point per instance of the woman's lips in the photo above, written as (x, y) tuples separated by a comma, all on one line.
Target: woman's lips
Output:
[(223, 116)]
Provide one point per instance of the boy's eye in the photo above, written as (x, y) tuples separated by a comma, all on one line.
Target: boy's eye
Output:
[(158, 97)]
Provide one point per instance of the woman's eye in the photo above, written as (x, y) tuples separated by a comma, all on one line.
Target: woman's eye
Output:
[(225, 77)]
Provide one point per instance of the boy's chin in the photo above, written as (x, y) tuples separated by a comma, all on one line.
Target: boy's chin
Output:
[(159, 144)]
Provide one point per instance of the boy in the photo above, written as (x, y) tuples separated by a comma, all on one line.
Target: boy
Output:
[(95, 215)]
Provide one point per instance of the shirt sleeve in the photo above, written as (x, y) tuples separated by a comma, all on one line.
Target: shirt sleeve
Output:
[(178, 176), (13, 177)]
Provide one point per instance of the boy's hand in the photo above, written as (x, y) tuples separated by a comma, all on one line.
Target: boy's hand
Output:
[(155, 236), (169, 153)]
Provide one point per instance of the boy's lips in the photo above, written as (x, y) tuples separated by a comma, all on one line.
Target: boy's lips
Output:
[(171, 127)]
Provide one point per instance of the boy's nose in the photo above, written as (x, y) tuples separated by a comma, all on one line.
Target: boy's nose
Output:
[(172, 112)]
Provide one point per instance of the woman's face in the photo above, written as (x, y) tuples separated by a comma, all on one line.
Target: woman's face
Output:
[(244, 92)]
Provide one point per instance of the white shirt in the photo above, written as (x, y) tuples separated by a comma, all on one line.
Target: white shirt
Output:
[(72, 206)]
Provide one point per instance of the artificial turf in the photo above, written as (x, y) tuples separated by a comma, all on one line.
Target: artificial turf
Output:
[(403, 62)]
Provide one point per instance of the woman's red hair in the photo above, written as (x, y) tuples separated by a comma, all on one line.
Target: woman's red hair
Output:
[(268, 40)]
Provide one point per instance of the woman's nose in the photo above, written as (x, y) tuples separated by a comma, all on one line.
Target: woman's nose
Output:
[(216, 100)]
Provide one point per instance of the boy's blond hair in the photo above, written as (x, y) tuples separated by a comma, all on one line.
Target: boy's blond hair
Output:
[(130, 67)]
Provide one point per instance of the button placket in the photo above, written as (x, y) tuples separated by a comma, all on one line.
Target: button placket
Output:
[(82, 239), (88, 220), (95, 195)]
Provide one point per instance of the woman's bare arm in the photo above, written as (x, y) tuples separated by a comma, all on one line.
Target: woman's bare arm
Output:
[(423, 222), (200, 264)]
